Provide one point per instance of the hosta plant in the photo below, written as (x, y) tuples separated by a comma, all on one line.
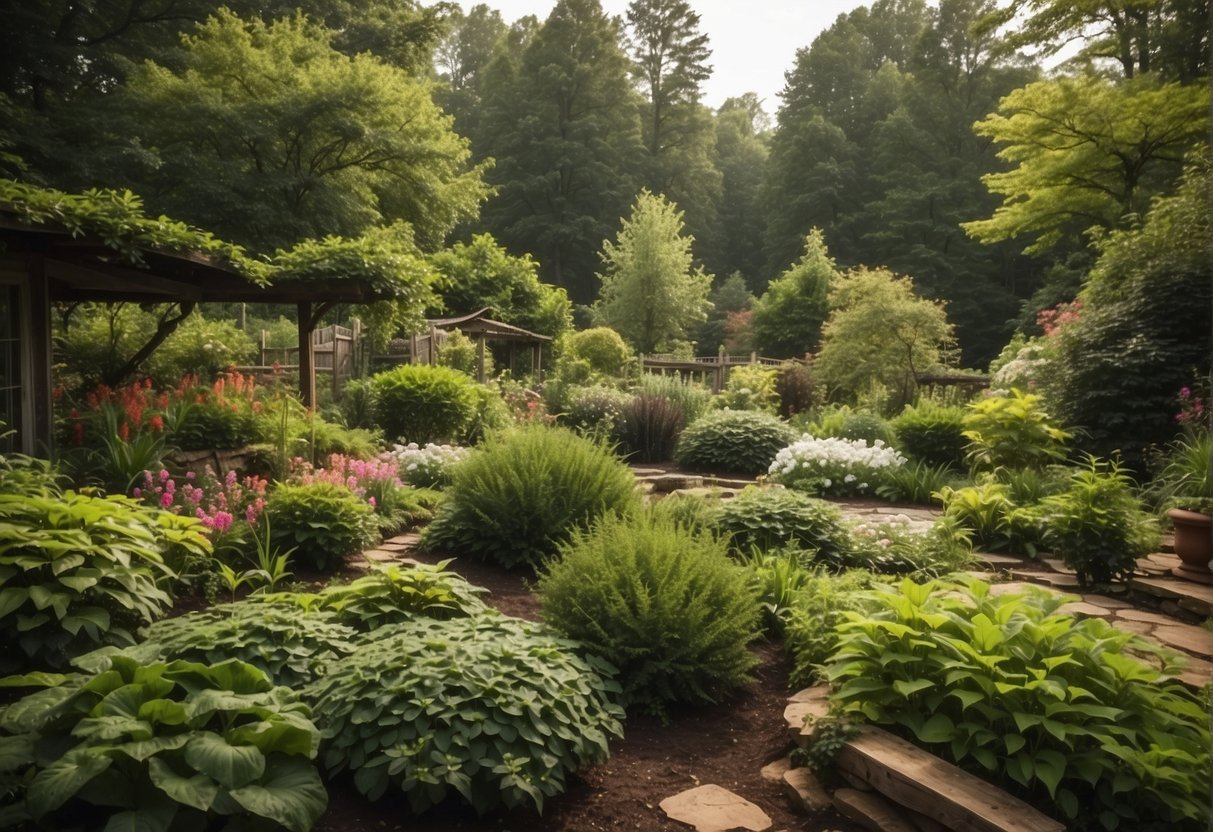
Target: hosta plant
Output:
[(834, 467), (733, 441), (489, 709), (289, 646), (78, 572), (1065, 712), (389, 595), (162, 746), (518, 496), (663, 604)]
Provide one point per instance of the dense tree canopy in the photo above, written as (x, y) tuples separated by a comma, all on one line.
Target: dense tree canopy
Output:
[(788, 317)]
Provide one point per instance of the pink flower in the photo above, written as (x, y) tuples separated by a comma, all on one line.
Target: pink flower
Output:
[(166, 500), (371, 500), (137, 493)]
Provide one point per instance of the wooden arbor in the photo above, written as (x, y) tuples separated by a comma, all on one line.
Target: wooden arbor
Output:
[(42, 264), (479, 328)]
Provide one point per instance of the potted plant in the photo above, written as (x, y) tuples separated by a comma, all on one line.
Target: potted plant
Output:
[(1187, 490)]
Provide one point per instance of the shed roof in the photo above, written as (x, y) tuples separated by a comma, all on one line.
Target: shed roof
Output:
[(477, 324)]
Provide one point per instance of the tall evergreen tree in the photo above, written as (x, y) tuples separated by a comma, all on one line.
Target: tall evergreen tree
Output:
[(564, 131), (741, 158)]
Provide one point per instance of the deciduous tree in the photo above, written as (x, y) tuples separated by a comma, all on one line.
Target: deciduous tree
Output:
[(787, 319)]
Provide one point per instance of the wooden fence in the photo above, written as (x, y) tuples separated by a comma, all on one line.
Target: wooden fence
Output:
[(712, 369), (332, 347)]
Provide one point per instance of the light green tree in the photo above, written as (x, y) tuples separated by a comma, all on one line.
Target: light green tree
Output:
[(266, 134), (1087, 154), (787, 319), (651, 293), (880, 331)]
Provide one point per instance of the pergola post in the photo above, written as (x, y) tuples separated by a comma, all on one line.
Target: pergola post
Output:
[(480, 358), (41, 432), (307, 356)]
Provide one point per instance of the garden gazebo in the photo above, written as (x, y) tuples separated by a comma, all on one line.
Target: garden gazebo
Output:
[(41, 264)]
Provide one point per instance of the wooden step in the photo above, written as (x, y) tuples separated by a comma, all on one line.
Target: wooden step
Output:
[(923, 782)]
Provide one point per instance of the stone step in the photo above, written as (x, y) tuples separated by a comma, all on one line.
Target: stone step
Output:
[(803, 707), (1187, 595), (924, 783), (805, 791), (711, 808), (871, 811)]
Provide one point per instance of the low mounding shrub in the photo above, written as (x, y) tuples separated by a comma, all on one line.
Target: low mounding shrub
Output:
[(774, 518), (841, 422), (492, 709), (422, 403), (596, 411), (1012, 431), (664, 605), (160, 746), (289, 647), (892, 545), (693, 398), (321, 521), (78, 572), (514, 499), (602, 348), (1062, 711), (932, 434), (1097, 525), (733, 441), (651, 427), (749, 387), (834, 467), (994, 520), (391, 595)]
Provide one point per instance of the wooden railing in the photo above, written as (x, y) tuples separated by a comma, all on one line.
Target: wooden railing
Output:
[(713, 368)]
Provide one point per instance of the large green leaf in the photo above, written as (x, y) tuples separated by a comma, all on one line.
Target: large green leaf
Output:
[(158, 819), (58, 783), (198, 791), (292, 795), (233, 766)]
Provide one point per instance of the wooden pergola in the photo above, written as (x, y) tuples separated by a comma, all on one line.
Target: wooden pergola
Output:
[(41, 265), (480, 328)]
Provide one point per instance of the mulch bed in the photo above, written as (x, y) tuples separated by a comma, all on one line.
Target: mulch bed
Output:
[(726, 744)]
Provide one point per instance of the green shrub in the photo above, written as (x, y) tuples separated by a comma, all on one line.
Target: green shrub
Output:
[(733, 441), (691, 512), (776, 577), (323, 522), (492, 709), (1062, 711), (841, 422), (890, 544), (357, 403), (601, 347), (986, 510), (932, 434), (597, 411), (490, 413), (391, 595), (816, 609), (290, 647), (515, 498), (749, 387), (78, 572), (420, 403), (651, 427), (664, 605), (160, 746), (774, 518), (1012, 432), (215, 424), (1097, 525), (459, 353)]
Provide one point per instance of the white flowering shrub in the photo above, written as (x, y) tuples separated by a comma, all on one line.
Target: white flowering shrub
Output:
[(834, 467), (428, 467)]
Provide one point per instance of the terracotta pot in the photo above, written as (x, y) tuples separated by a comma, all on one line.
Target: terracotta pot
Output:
[(1193, 544)]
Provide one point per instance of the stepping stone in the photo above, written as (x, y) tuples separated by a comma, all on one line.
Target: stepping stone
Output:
[(1199, 596), (710, 808), (871, 811), (920, 781), (1053, 579), (666, 483), (994, 560), (1196, 673), (773, 772), (1186, 637), (815, 693), (406, 539), (797, 714), (1162, 559), (394, 547), (1142, 615), (805, 790), (1058, 566), (381, 555), (1107, 602), (1085, 610), (1013, 586), (1130, 626)]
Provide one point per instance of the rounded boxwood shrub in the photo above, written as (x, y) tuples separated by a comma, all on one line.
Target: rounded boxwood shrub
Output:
[(733, 441), (421, 403), (321, 521), (777, 518), (161, 746), (663, 604), (516, 497), (491, 709), (932, 434)]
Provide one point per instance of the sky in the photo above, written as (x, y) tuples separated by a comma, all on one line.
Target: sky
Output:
[(753, 42)]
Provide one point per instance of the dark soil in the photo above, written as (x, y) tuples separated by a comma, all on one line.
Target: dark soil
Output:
[(726, 744)]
